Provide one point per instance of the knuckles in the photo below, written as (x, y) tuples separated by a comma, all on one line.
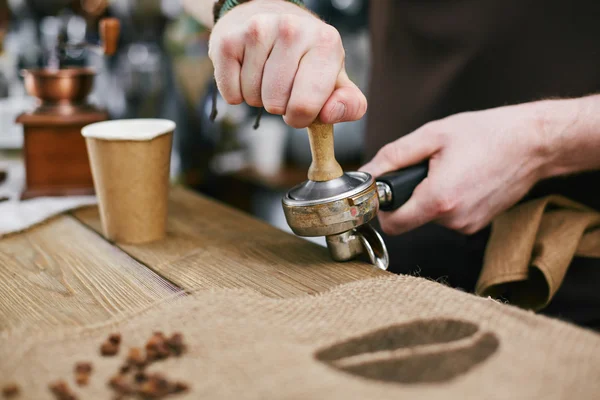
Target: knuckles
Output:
[(435, 132), (329, 37), (457, 224), (470, 229), (230, 43), (456, 217), (329, 42), (462, 225), (288, 29), (445, 204), (257, 29), (228, 46)]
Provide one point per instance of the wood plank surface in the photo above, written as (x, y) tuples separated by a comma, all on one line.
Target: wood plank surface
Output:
[(211, 245), (62, 274)]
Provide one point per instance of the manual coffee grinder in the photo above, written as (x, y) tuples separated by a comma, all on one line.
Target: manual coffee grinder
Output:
[(340, 206), (55, 155)]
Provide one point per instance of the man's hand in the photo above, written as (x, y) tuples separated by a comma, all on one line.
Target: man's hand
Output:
[(480, 164), (275, 54)]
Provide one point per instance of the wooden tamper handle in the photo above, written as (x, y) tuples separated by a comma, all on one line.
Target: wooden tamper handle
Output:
[(324, 166), (110, 29)]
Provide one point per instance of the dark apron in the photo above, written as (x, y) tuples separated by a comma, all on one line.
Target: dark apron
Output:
[(434, 58)]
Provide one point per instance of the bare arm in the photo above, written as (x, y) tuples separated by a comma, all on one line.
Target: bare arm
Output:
[(202, 10), (572, 130)]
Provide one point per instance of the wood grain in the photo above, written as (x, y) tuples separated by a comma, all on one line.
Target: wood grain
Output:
[(210, 245), (62, 274), (324, 166)]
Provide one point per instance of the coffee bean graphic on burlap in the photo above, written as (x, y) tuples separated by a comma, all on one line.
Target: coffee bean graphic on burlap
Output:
[(423, 351)]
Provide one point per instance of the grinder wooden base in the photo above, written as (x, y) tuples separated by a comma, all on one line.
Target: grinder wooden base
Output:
[(56, 158)]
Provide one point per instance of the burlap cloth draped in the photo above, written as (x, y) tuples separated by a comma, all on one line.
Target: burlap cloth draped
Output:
[(388, 338), (531, 247)]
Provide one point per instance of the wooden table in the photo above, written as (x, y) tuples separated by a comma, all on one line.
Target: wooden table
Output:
[(64, 273)]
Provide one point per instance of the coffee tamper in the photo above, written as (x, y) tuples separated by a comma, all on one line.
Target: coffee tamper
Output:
[(340, 205)]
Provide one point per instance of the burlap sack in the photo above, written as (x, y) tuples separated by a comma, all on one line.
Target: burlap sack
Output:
[(390, 338)]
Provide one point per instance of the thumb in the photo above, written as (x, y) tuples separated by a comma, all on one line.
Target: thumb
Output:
[(408, 150), (346, 103)]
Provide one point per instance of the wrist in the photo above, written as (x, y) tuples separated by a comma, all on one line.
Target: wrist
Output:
[(547, 137), (222, 7), (564, 137)]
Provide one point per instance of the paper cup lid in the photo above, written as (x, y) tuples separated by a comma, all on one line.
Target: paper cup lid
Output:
[(128, 129)]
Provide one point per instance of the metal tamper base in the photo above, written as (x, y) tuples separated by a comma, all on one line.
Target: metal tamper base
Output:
[(339, 209)]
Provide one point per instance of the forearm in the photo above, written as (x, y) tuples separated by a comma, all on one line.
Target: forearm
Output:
[(202, 10), (571, 131)]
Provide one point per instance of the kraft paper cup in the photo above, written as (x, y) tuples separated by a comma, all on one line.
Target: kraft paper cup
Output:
[(130, 162)]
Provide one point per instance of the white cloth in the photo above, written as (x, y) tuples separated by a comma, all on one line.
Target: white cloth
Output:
[(17, 215)]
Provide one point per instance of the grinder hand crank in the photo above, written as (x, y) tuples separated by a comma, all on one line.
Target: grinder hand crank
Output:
[(340, 205)]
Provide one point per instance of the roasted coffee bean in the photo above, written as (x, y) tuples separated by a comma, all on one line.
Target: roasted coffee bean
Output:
[(82, 379), (151, 355), (61, 391), (157, 347), (155, 340), (160, 381), (82, 373), (176, 345), (120, 385), (157, 352), (156, 386), (140, 376), (179, 387), (83, 367), (115, 338), (125, 368), (11, 390), (109, 349), (136, 358), (111, 346)]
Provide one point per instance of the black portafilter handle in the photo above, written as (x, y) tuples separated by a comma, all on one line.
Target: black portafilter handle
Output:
[(395, 188)]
